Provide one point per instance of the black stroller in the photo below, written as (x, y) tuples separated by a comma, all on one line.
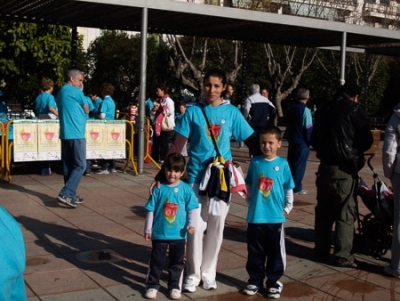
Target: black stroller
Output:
[(377, 226)]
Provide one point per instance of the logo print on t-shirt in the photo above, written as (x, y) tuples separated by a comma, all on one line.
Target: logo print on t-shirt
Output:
[(216, 130), (169, 211), (264, 186)]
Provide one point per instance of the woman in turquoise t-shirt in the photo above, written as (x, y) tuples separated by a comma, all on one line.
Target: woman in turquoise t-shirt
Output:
[(226, 122)]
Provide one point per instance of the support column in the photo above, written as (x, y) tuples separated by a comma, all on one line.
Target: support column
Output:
[(142, 92), (74, 48), (367, 70), (342, 79)]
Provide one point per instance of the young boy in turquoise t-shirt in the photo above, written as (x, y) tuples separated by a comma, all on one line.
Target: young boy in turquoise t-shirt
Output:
[(270, 197)]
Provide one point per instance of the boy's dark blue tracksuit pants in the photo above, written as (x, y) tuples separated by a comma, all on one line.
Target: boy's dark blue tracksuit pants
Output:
[(266, 254)]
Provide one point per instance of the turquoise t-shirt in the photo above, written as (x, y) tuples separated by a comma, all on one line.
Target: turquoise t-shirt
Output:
[(108, 107), (12, 259), (97, 104), (268, 181), (170, 205), (91, 107), (70, 100), (43, 102), (226, 122)]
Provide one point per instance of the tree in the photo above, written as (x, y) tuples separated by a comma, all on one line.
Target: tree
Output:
[(286, 65), (191, 57), (28, 53), (114, 57)]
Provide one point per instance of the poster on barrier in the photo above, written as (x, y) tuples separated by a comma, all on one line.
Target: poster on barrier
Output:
[(49, 144), (25, 140), (115, 139), (95, 139)]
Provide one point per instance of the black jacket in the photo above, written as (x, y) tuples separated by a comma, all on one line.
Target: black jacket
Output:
[(341, 133)]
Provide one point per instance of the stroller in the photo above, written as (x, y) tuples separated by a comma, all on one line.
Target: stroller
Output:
[(377, 226)]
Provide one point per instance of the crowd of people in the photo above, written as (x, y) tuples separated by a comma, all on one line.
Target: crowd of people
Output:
[(185, 221)]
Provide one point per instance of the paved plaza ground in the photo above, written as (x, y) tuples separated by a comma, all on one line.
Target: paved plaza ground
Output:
[(97, 251)]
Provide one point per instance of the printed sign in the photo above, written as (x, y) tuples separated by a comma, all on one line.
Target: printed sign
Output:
[(49, 144), (25, 140)]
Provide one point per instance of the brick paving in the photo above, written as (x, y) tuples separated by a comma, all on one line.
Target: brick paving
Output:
[(97, 251)]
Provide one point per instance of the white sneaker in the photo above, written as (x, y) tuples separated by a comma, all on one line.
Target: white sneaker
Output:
[(210, 285), (275, 293), (175, 294), (189, 286), (113, 170), (103, 172), (151, 294)]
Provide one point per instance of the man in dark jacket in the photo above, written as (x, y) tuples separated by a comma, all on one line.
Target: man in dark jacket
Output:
[(340, 136), (298, 130), (258, 110)]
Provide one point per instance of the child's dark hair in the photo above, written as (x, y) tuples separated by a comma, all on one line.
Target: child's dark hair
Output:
[(273, 130), (175, 162)]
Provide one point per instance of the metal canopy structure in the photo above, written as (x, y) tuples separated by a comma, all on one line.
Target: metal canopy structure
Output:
[(173, 17), (189, 19)]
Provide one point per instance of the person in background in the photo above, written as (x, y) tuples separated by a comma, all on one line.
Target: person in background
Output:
[(270, 197), (299, 130), (12, 259), (264, 92), (226, 122), (92, 113), (72, 108), (107, 112), (93, 93), (154, 110), (340, 137), (178, 117), (171, 214), (228, 93), (167, 108), (148, 106), (4, 116), (391, 170), (46, 108), (258, 110), (45, 103)]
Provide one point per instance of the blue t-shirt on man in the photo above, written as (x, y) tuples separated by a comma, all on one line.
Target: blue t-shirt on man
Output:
[(70, 101)]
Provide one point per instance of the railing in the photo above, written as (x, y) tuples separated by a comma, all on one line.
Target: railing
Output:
[(8, 144)]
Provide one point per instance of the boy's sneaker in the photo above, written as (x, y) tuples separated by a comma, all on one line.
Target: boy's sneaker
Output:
[(250, 289), (175, 294), (151, 294), (389, 270), (189, 286), (67, 201), (113, 170), (103, 172), (210, 285), (87, 173), (275, 292), (78, 200)]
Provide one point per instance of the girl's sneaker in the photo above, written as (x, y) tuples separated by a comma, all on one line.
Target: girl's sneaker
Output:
[(151, 294), (275, 292)]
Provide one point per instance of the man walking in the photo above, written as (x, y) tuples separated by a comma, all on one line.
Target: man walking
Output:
[(340, 136), (299, 130), (72, 108), (258, 110)]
